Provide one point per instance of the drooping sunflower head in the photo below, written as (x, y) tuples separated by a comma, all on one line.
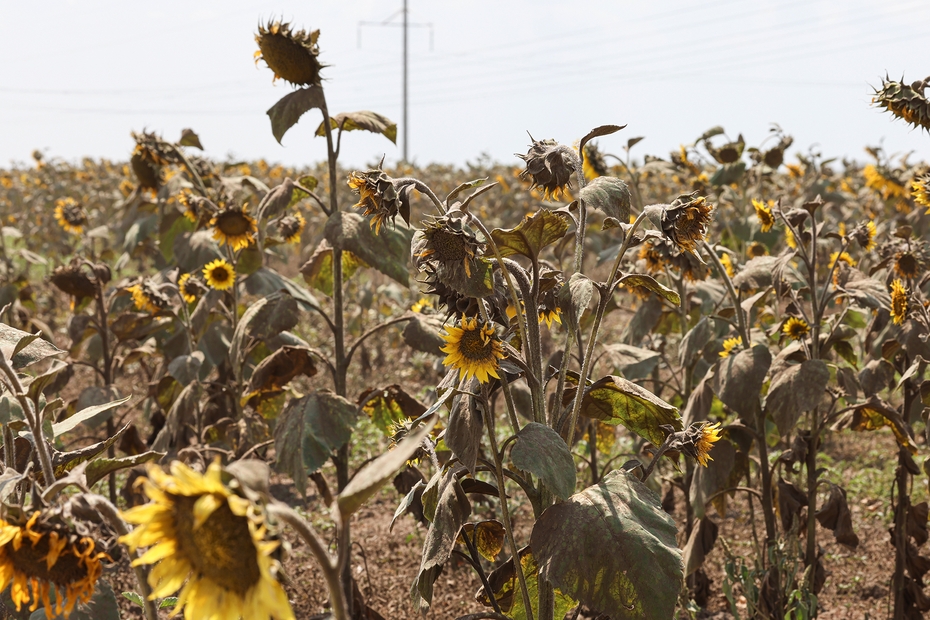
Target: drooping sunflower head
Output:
[(290, 54), (756, 249), (730, 345), (881, 180), (705, 437), (907, 102), (898, 301), (775, 156), (219, 275), (189, 202), (233, 226), (474, 349), (148, 158), (796, 328), (550, 166), (685, 221), (907, 264), (727, 153), (72, 280), (551, 283), (865, 235), (291, 226), (653, 257), (42, 552), (594, 164), (842, 256), (765, 215), (448, 243), (208, 542), (70, 215), (379, 197), (147, 297), (920, 190), (191, 287)]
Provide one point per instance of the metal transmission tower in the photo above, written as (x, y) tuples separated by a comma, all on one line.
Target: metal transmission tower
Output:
[(406, 25)]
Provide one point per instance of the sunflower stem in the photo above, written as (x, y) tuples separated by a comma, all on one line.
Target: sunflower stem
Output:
[(731, 290), (109, 512), (32, 417)]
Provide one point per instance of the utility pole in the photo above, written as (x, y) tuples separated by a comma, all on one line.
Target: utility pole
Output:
[(406, 25)]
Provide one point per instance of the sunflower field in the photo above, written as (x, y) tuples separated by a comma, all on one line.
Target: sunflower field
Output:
[(581, 385)]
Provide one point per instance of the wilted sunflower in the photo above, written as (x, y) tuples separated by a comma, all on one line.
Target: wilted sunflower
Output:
[(147, 298), (594, 165), (448, 243), (186, 200), (233, 226), (764, 213), (756, 249), (290, 54), (731, 344), (72, 280), (898, 302), (906, 264), (907, 102), (705, 438), (379, 197), (191, 287), (147, 160), (42, 553), (653, 257), (550, 166), (219, 275), (864, 235), (883, 183), (795, 328), (685, 221), (199, 531), (474, 349), (291, 227), (70, 215), (921, 191)]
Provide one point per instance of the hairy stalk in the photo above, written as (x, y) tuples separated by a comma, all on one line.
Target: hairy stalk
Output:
[(32, 417)]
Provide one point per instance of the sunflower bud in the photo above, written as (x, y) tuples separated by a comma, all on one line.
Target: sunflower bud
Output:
[(907, 102), (550, 166), (685, 221), (290, 54)]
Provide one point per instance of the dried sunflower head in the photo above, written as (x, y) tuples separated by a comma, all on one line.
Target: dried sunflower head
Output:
[(729, 152), (43, 552), (290, 54), (907, 102), (865, 235), (448, 243), (70, 215), (550, 166), (379, 197), (654, 256), (147, 297), (907, 264), (233, 226), (72, 280), (148, 158), (756, 249), (775, 156), (685, 221)]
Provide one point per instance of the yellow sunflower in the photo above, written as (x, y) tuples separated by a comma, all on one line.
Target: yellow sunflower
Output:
[(234, 227), (843, 256), (70, 215), (422, 304), (219, 275), (727, 263), (41, 554), (190, 206), (550, 316), (790, 241), (685, 221), (795, 171), (756, 249), (898, 302), (921, 191), (730, 345), (291, 227), (474, 349), (146, 298), (885, 185), (764, 213), (795, 328), (709, 435), (208, 543), (191, 287)]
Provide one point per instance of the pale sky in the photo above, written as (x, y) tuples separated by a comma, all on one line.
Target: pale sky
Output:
[(79, 75)]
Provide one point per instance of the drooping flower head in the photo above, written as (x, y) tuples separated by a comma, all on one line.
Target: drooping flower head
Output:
[(550, 166), (191, 287), (685, 221), (290, 54), (44, 552), (898, 301), (234, 226), (209, 543), (730, 345), (474, 349), (73, 280), (379, 197), (921, 190), (756, 249), (865, 235), (764, 213), (904, 101), (446, 242), (147, 298), (907, 264), (594, 164), (291, 227), (70, 215), (219, 275)]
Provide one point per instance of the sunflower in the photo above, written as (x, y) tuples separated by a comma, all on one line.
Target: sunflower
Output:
[(795, 171), (474, 349), (906, 101), (219, 275), (190, 206), (234, 227), (764, 213), (842, 256), (290, 54), (191, 287), (884, 184), (655, 260), (921, 191), (685, 221), (43, 553), (72, 280), (727, 263), (70, 215), (906, 264), (790, 241), (126, 187), (594, 165), (550, 316), (291, 227), (378, 196), (147, 298), (707, 436), (796, 328), (898, 302), (199, 532), (864, 235), (550, 166), (756, 249), (422, 304), (730, 345), (447, 242)]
